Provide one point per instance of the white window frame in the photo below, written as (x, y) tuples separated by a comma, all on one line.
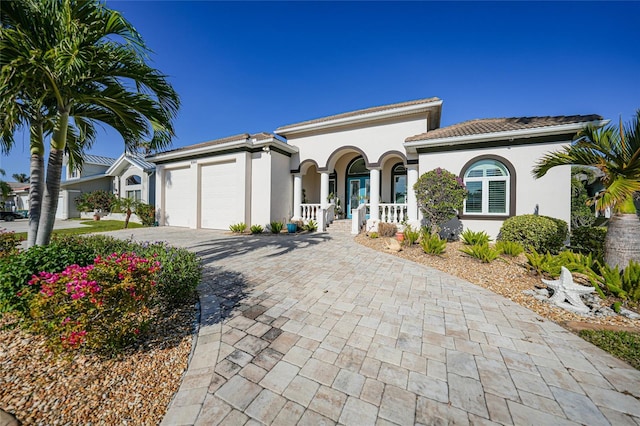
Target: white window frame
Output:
[(485, 188)]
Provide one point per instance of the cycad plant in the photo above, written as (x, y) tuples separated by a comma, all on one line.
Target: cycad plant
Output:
[(615, 151)]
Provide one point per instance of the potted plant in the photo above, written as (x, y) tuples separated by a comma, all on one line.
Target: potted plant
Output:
[(292, 227), (96, 215)]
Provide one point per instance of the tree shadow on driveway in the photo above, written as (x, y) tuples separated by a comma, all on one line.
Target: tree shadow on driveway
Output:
[(221, 248)]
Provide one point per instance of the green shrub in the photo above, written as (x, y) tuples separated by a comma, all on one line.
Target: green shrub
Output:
[(101, 307), (611, 279), (276, 227), (411, 235), (631, 280), (9, 242), (539, 233), (373, 235), (472, 238), (481, 251), (238, 228), (510, 248), (311, 226), (256, 229), (589, 239), (96, 200), (146, 213), (432, 244), (387, 229), (440, 195), (180, 271)]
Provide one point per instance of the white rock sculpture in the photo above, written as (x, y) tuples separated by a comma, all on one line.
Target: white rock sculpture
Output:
[(565, 290)]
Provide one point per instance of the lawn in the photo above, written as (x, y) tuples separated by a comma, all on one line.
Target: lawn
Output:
[(89, 227)]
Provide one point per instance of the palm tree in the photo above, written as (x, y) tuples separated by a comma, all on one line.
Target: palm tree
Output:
[(129, 205), (5, 189), (21, 177), (615, 151), (78, 63)]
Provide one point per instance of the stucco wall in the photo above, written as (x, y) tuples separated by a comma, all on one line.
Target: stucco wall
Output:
[(281, 188), (261, 188), (374, 140), (552, 193)]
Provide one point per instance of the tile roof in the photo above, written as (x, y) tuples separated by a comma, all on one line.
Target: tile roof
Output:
[(236, 138), (496, 125), (97, 159), (359, 112)]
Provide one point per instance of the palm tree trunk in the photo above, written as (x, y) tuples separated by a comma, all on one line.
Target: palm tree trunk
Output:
[(35, 197), (36, 169), (50, 199), (622, 242), (126, 219)]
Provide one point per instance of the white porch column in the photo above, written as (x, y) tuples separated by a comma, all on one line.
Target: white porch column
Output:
[(374, 194), (297, 196), (324, 189), (412, 202)]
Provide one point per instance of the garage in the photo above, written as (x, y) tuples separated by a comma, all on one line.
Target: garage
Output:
[(179, 202), (219, 195)]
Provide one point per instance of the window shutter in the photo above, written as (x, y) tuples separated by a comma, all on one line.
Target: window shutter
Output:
[(497, 196), (473, 203)]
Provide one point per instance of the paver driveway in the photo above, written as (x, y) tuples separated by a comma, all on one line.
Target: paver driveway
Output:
[(317, 329)]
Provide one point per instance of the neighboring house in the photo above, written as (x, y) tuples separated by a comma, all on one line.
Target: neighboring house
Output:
[(127, 176), (369, 160), (133, 177), (18, 199), (91, 178)]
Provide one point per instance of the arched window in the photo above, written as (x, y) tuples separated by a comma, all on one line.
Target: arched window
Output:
[(134, 180), (399, 183), (357, 167), (489, 184)]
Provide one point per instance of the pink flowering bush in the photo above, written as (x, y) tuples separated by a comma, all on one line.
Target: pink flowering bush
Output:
[(100, 307)]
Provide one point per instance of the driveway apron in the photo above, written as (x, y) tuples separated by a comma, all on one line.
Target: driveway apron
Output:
[(316, 329)]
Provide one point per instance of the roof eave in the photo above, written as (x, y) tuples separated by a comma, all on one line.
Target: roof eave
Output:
[(512, 134), (244, 143), (373, 116)]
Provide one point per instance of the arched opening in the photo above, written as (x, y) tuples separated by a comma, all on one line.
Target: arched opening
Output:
[(357, 184), (399, 184)]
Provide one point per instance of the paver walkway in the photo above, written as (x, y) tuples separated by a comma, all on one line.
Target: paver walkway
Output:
[(317, 329)]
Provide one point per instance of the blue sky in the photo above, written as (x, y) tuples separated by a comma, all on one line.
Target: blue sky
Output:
[(251, 67)]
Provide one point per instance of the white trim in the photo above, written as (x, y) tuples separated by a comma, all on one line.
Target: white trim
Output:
[(372, 116), (210, 149), (512, 134)]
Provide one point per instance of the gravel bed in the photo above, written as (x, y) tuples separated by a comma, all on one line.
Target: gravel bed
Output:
[(134, 388), (507, 277)]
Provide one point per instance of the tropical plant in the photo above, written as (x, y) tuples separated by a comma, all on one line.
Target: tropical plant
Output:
[(432, 244), (238, 228), (311, 226), (471, 238), (90, 67), (615, 152), (440, 195), (589, 239), (146, 213), (5, 189), (581, 213), (276, 227), (411, 235), (128, 205), (256, 229), (510, 248), (482, 252), (21, 177)]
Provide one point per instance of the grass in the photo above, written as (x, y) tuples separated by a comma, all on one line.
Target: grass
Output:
[(91, 227), (621, 344)]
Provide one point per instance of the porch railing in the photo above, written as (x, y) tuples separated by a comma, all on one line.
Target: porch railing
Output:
[(315, 212), (310, 212), (358, 218), (393, 213)]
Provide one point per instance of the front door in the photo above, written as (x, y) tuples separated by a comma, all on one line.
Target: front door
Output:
[(358, 193)]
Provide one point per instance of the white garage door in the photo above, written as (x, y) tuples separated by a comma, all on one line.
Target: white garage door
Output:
[(179, 192), (219, 196)]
